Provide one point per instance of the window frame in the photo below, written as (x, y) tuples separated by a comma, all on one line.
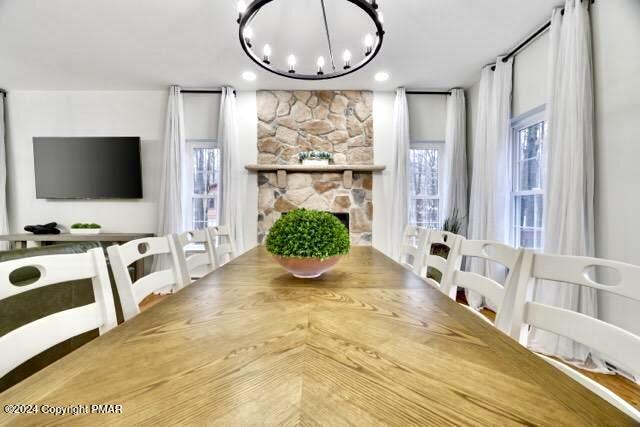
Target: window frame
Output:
[(191, 144), (439, 146), (518, 124)]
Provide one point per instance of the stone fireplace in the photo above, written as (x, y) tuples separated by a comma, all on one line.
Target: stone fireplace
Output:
[(339, 122)]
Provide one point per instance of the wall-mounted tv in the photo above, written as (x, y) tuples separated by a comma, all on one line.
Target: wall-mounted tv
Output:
[(87, 168)]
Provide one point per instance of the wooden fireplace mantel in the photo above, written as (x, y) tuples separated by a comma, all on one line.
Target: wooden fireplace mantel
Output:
[(347, 171)]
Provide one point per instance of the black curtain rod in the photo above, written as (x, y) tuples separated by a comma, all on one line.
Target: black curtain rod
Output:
[(213, 91), (426, 92), (201, 91), (525, 43), (529, 39)]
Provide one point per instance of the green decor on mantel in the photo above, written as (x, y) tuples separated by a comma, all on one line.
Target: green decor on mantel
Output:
[(85, 228), (315, 156), (308, 243)]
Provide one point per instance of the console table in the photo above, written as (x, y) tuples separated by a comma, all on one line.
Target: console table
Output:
[(20, 241)]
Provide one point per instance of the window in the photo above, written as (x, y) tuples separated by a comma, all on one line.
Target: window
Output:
[(425, 163), (204, 162), (527, 137)]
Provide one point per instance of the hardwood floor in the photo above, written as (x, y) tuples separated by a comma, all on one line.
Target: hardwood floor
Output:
[(626, 389)]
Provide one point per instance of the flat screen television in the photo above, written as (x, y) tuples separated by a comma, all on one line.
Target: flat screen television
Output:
[(87, 168)]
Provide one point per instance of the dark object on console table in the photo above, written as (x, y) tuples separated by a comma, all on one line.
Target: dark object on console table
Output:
[(49, 228), (26, 307)]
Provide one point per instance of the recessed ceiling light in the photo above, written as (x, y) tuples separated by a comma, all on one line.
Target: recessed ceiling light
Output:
[(249, 76), (382, 76)]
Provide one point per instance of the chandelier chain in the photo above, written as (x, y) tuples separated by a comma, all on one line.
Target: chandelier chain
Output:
[(326, 30)]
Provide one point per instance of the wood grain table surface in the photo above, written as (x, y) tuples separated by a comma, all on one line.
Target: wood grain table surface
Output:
[(366, 344)]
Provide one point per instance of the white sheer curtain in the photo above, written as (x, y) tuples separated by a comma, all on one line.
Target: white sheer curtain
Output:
[(172, 195), (568, 195), (455, 192), (399, 173), (4, 215), (490, 207), (232, 209)]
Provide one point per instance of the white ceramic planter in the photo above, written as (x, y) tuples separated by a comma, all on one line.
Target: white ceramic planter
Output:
[(311, 162), (84, 230)]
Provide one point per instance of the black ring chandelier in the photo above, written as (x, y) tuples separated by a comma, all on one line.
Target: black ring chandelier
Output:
[(372, 44)]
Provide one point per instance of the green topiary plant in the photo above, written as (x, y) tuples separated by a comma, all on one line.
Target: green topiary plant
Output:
[(308, 234)]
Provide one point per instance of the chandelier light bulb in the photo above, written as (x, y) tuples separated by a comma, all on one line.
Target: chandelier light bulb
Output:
[(368, 44), (242, 8), (266, 54), (291, 60), (248, 35), (320, 65), (346, 57), (380, 17)]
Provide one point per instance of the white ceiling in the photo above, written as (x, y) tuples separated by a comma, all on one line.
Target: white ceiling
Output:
[(147, 44)]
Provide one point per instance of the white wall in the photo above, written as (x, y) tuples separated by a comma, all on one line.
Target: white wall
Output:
[(616, 43), (427, 117), (530, 76), (382, 155), (617, 146), (83, 113), (201, 111), (248, 134)]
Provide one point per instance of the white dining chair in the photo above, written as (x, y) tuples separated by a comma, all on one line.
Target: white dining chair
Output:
[(23, 343), (618, 346), (223, 244), (131, 293), (413, 244), (195, 253), (495, 252), (445, 266)]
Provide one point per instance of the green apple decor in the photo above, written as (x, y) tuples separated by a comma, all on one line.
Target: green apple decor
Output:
[(308, 243)]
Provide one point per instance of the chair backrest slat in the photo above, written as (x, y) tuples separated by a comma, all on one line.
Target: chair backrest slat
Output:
[(620, 346), (435, 261), (485, 286), (39, 335), (198, 263), (413, 242), (446, 266), (21, 344), (614, 344), (122, 256), (491, 251), (150, 283), (580, 271), (496, 252), (135, 250), (53, 269), (223, 244)]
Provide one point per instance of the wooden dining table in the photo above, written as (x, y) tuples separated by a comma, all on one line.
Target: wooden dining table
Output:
[(367, 343)]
